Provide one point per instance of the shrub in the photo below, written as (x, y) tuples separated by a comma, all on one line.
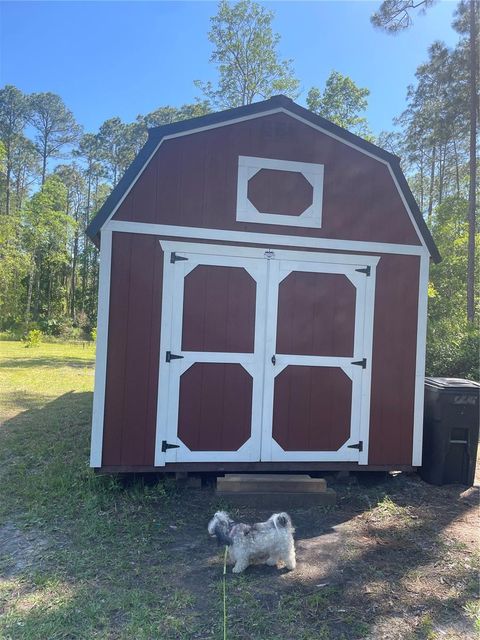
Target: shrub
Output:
[(33, 338), (93, 334), (452, 350)]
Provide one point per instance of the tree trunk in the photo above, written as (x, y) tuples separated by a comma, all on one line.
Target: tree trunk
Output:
[(432, 184), (49, 291), (457, 171), (421, 182), (44, 161), (7, 186), (472, 167), (441, 172), (73, 280), (29, 295), (39, 274)]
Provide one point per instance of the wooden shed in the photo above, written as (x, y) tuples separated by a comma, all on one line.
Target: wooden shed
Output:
[(262, 301)]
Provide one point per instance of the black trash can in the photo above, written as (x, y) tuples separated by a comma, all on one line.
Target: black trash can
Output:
[(450, 431)]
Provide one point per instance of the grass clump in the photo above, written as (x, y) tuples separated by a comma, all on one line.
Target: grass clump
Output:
[(33, 338)]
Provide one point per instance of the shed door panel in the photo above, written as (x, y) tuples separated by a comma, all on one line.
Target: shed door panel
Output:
[(215, 386), (316, 314), (265, 358), (315, 334)]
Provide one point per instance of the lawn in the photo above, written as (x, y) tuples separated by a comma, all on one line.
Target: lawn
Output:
[(90, 557)]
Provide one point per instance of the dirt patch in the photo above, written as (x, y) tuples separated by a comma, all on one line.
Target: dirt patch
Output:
[(19, 550), (396, 560)]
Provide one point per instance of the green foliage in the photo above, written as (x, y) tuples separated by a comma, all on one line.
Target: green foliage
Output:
[(245, 52), (168, 114), (93, 334), (48, 267), (33, 338), (453, 349), (54, 124), (14, 267), (395, 15), (341, 102), (118, 144), (452, 342)]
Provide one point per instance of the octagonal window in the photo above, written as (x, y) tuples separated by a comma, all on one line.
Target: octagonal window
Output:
[(283, 192)]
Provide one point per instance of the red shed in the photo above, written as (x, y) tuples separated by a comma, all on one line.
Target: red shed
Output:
[(263, 300)]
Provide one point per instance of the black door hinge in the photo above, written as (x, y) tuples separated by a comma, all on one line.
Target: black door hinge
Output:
[(172, 356), (174, 258), (358, 446), (361, 363), (366, 271), (166, 445)]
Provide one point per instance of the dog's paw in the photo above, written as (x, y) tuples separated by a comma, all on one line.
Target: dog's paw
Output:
[(238, 568)]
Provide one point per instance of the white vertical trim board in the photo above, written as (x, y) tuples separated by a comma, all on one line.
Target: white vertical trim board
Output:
[(420, 360), (163, 389), (369, 310), (248, 237), (101, 350)]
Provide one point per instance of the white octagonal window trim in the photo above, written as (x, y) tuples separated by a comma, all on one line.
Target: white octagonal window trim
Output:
[(248, 166)]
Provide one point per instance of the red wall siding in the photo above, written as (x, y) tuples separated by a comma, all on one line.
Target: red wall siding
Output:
[(132, 366), (192, 181), (394, 360), (133, 350)]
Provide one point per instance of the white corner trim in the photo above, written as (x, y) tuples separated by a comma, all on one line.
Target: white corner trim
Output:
[(249, 166), (420, 362), (101, 350), (247, 237), (262, 115)]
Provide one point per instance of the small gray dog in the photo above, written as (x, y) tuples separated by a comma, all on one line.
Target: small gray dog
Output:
[(269, 542)]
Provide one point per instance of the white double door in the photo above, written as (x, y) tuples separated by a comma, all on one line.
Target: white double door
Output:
[(265, 355)]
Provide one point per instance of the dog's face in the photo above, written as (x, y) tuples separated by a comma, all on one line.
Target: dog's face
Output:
[(221, 520)]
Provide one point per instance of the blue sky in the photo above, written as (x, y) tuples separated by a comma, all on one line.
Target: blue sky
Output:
[(124, 58)]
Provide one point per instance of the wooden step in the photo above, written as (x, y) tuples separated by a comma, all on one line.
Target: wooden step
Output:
[(279, 501), (269, 483)]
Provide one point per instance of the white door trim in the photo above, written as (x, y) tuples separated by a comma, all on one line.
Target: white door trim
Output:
[(170, 246)]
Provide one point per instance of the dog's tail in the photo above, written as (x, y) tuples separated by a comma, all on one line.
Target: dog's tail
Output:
[(282, 521), (219, 527)]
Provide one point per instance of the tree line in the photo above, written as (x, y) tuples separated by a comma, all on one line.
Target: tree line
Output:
[(49, 269)]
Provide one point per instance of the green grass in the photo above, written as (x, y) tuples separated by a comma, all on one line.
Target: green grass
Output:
[(82, 555), (91, 557)]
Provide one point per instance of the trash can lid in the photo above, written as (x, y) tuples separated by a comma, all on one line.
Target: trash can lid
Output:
[(451, 383)]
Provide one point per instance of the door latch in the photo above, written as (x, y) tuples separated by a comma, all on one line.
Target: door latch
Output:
[(274, 360)]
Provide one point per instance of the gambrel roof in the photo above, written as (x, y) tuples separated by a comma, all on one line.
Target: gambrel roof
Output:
[(272, 105)]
